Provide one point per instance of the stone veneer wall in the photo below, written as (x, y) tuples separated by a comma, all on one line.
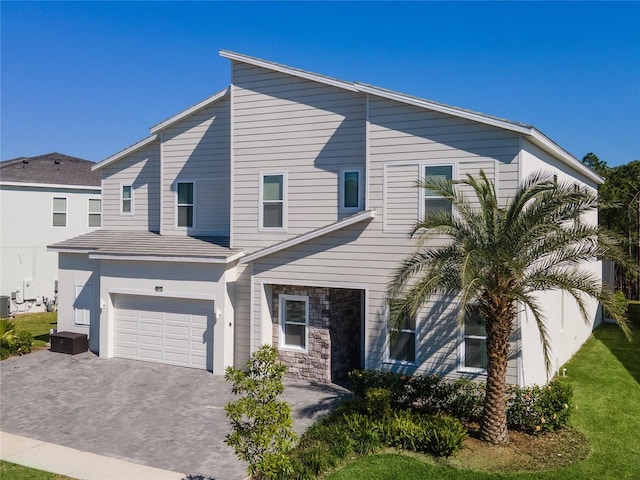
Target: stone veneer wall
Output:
[(315, 365), (334, 333), (344, 328)]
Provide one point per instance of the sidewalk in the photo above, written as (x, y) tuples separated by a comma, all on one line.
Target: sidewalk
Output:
[(75, 463)]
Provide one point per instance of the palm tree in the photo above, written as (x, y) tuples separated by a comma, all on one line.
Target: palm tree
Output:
[(497, 257)]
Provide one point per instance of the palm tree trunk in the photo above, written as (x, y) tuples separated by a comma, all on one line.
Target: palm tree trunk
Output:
[(493, 428)]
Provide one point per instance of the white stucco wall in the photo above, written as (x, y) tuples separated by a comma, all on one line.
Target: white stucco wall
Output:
[(25, 231), (567, 328)]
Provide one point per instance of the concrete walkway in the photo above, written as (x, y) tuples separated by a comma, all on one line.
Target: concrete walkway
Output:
[(74, 463)]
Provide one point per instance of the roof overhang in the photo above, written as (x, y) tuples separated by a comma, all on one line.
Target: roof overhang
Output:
[(127, 151), (358, 217), (189, 111), (93, 188), (158, 258)]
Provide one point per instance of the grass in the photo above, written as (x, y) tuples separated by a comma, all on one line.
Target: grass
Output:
[(605, 375), (11, 471), (38, 325)]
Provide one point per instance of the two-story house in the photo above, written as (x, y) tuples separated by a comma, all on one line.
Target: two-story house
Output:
[(43, 200), (276, 211)]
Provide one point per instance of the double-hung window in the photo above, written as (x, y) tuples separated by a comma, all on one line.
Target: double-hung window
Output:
[(126, 199), (272, 201), (473, 352), (185, 194), (434, 203), (402, 337), (95, 212), (294, 321), (59, 212), (351, 189)]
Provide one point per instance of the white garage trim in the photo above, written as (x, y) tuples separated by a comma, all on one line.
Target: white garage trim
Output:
[(168, 294)]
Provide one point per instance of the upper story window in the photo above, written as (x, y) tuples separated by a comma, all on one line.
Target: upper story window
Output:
[(126, 199), (185, 192), (351, 189), (95, 212), (59, 212), (434, 203), (294, 321), (273, 192), (402, 341), (473, 344)]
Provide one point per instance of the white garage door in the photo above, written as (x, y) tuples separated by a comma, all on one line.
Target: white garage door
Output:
[(164, 330)]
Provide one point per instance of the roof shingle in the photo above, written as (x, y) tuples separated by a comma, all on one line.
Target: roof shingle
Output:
[(51, 168)]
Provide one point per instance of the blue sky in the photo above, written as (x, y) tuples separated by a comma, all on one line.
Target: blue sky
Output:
[(89, 78)]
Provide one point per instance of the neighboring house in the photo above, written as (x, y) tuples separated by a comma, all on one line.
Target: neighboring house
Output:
[(43, 199), (276, 211)]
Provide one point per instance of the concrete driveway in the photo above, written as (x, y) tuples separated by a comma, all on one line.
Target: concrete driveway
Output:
[(158, 415)]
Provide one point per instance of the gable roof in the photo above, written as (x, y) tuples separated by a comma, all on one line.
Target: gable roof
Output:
[(533, 134), (52, 169)]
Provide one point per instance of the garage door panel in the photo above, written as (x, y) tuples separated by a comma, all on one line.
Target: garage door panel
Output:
[(151, 354), (164, 330)]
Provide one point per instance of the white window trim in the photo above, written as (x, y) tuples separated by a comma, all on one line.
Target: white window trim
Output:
[(282, 298), (89, 212), (423, 196), (387, 358), (285, 182), (341, 190), (175, 204), (122, 212), (66, 211), (462, 352)]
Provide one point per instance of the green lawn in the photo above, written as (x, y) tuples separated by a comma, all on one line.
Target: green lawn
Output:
[(605, 375), (38, 325), (11, 471)]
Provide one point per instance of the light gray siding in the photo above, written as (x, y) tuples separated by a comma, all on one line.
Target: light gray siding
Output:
[(306, 129), (198, 149), (141, 170)]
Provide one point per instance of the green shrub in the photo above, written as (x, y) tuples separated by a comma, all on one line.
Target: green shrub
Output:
[(397, 384), (539, 409), (365, 433), (378, 402), (7, 337), (261, 426), (443, 436), (23, 343)]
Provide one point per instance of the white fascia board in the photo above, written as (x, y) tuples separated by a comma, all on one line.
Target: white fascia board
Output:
[(185, 113), (123, 153), (169, 294), (92, 188), (288, 70), (309, 236), (560, 153), (155, 258), (69, 250), (456, 112)]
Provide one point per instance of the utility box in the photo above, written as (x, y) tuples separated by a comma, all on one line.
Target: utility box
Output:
[(5, 306), (69, 342), (29, 290)]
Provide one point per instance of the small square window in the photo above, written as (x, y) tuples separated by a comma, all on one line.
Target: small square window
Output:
[(59, 212), (272, 201), (185, 193), (434, 203), (402, 341), (294, 321), (474, 346), (351, 189), (126, 199), (95, 212)]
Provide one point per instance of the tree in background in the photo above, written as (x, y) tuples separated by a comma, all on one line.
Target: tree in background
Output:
[(620, 212)]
